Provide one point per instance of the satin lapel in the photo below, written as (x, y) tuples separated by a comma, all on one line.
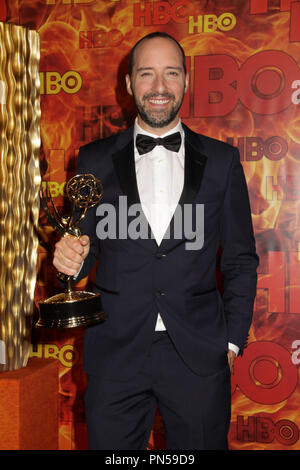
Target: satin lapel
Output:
[(194, 166), (124, 165), (125, 169)]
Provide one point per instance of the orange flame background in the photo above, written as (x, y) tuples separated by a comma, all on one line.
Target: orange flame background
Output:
[(261, 381)]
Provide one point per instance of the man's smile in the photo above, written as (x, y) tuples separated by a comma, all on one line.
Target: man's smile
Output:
[(158, 101)]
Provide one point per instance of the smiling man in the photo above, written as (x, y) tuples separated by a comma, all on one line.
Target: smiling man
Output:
[(158, 82), (170, 338)]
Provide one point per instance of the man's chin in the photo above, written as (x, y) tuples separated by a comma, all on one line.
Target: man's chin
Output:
[(158, 121)]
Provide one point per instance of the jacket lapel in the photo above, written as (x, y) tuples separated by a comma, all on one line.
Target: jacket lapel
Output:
[(194, 166), (124, 164)]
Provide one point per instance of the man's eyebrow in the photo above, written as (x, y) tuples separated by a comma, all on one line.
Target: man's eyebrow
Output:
[(172, 67), (144, 68)]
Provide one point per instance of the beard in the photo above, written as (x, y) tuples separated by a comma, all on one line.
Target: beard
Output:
[(158, 118)]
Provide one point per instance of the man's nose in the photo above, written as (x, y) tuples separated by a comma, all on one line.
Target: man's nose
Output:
[(159, 84)]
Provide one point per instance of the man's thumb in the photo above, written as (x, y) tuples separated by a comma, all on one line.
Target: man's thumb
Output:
[(84, 240)]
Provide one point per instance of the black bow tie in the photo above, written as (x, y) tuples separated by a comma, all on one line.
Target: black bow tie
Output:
[(145, 143)]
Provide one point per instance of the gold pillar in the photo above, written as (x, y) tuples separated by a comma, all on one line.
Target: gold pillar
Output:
[(19, 186)]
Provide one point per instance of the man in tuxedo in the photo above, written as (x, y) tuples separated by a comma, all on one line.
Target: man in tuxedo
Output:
[(170, 338)]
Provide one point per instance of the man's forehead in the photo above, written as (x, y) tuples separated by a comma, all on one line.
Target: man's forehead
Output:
[(156, 47), (156, 43)]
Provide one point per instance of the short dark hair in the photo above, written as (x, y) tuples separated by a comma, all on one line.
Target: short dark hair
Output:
[(156, 34)]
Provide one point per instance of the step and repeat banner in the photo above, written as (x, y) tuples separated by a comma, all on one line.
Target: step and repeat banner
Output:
[(243, 59)]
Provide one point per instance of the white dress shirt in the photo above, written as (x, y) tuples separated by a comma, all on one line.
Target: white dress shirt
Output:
[(160, 179)]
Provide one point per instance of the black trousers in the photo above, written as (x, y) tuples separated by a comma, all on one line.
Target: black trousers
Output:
[(195, 410)]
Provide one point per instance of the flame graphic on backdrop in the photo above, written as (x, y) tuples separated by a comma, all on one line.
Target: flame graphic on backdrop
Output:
[(274, 215), (101, 68)]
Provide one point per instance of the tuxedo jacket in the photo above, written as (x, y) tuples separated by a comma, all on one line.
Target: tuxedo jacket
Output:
[(138, 278)]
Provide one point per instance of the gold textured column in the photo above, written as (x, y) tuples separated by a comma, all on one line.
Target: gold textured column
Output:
[(19, 186)]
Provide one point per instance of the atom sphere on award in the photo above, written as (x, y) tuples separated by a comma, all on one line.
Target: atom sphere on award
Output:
[(72, 308)]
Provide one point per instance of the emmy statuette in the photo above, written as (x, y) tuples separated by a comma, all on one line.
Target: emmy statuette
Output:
[(72, 308)]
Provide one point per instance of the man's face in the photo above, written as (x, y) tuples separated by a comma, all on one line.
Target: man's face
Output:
[(158, 84)]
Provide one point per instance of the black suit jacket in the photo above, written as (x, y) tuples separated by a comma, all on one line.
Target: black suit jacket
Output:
[(138, 278)]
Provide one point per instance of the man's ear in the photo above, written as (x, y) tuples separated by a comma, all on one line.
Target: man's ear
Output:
[(186, 85), (128, 84)]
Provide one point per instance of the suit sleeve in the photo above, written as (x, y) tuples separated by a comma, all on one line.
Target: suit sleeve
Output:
[(239, 260)]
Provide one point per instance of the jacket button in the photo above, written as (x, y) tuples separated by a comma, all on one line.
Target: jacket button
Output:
[(159, 293), (160, 255)]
